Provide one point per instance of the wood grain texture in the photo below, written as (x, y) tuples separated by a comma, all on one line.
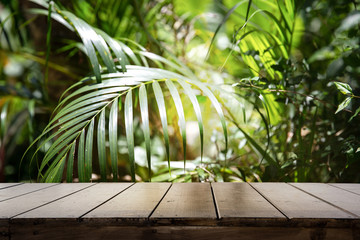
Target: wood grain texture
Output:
[(298, 204), (351, 187), (7, 185), (240, 200), (136, 202), (22, 189), (179, 211), (187, 202), (341, 198), (21, 204), (79, 203)]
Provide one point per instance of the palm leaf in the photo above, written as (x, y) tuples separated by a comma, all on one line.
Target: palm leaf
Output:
[(113, 141), (162, 111), (76, 115), (101, 145), (145, 123), (129, 127)]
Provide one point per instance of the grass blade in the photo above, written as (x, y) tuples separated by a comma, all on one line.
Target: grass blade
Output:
[(129, 129)]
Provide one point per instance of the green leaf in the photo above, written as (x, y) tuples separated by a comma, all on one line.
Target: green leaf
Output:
[(89, 151), (3, 117), (145, 124), (116, 48), (180, 110), (56, 169), (81, 160), (223, 23), (189, 92), (101, 146), (344, 104), (344, 88), (113, 140), (97, 40), (355, 114), (86, 38), (60, 143), (218, 109), (129, 129), (70, 164), (159, 97)]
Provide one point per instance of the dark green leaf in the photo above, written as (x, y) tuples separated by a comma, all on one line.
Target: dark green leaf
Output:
[(101, 146), (81, 156)]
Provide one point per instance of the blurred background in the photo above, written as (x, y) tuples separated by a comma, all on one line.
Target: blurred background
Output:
[(286, 73)]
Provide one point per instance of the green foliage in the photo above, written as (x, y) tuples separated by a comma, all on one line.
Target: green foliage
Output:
[(159, 78)]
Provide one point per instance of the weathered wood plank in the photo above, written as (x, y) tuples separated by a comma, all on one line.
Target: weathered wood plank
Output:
[(136, 202), (19, 190), (7, 185), (21, 204), (77, 204), (352, 187), (298, 204), (240, 200), (336, 196), (187, 202)]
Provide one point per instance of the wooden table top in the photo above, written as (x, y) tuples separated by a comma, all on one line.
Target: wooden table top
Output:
[(290, 205)]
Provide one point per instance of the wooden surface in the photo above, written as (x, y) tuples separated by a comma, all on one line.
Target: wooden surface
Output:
[(180, 211)]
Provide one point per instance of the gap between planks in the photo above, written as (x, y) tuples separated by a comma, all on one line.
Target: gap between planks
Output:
[(57, 199), (162, 198), (79, 218), (323, 200), (26, 193), (268, 200), (217, 211), (10, 185), (342, 188)]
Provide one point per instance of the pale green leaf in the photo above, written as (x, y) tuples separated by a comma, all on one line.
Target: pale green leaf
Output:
[(159, 97), (344, 104), (145, 123), (180, 110), (344, 88), (113, 139), (189, 92), (129, 129)]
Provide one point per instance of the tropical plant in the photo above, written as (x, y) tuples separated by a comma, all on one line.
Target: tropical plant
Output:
[(80, 118), (284, 72)]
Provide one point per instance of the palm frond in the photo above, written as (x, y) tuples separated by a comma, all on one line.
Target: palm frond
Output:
[(97, 42), (77, 115)]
